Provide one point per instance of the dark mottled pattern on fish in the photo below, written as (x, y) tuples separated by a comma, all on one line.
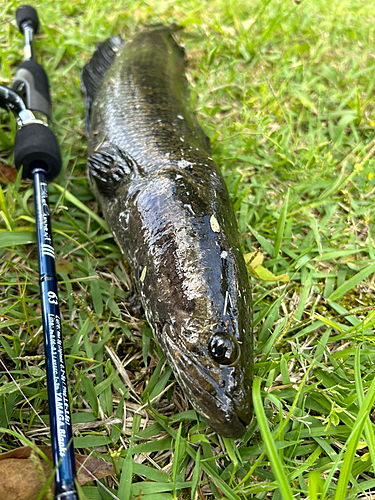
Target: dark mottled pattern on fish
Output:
[(168, 207)]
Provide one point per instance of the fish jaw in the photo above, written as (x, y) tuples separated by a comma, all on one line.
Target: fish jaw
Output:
[(220, 394)]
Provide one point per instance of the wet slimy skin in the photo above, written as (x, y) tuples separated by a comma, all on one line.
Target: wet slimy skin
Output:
[(168, 207)]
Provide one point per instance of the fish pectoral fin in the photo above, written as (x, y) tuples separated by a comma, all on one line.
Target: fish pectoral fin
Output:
[(109, 168)]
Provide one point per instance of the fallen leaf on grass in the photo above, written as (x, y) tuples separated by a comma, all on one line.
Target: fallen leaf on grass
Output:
[(23, 473), (64, 266), (254, 261), (8, 173)]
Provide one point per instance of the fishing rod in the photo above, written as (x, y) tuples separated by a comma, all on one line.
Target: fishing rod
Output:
[(36, 149)]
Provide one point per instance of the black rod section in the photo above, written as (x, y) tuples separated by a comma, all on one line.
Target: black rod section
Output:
[(59, 412)]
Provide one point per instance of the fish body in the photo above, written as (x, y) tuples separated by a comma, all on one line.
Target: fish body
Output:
[(168, 207)]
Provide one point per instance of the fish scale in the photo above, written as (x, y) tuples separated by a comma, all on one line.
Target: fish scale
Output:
[(168, 207)]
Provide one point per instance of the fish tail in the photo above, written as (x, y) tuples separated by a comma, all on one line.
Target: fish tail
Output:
[(94, 70)]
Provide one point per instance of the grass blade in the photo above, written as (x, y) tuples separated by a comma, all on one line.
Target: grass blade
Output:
[(369, 431), (277, 465), (342, 485), (281, 224), (75, 201), (352, 282), (12, 238), (196, 475)]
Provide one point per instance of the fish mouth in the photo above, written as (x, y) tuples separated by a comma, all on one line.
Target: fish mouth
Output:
[(216, 406)]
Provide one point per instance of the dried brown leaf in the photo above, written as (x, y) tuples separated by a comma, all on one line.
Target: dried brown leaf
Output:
[(23, 474), (8, 173)]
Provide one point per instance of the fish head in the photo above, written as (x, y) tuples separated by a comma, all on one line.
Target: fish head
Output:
[(211, 357)]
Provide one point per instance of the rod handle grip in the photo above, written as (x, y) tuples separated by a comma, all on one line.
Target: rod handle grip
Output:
[(31, 83), (27, 14), (34, 144)]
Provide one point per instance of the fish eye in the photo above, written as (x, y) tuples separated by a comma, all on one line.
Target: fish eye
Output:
[(224, 349)]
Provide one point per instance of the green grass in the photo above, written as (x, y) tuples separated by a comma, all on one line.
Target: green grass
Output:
[(285, 90)]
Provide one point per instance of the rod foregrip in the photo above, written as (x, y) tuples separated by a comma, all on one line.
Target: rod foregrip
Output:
[(37, 143), (31, 83)]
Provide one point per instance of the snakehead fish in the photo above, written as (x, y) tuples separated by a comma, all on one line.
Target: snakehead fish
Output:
[(168, 207)]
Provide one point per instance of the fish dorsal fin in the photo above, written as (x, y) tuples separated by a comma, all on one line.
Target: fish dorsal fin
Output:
[(94, 70)]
